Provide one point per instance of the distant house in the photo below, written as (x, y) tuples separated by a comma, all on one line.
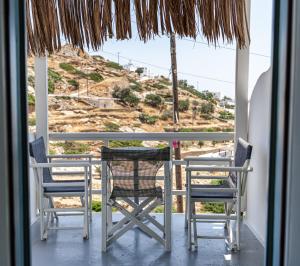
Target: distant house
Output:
[(101, 102), (226, 102), (217, 95), (130, 67)]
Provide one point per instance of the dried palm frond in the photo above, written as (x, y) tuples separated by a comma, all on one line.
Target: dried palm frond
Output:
[(90, 22)]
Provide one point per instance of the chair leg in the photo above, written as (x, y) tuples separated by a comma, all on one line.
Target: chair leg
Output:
[(90, 204), (185, 213), (189, 226), (86, 213), (53, 214), (238, 225), (90, 193), (226, 212), (195, 227), (104, 219), (86, 223), (136, 219), (109, 206), (48, 216), (42, 223)]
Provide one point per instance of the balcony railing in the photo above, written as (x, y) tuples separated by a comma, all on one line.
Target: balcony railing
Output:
[(169, 137)]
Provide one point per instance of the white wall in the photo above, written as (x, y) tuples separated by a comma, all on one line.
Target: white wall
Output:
[(259, 137)]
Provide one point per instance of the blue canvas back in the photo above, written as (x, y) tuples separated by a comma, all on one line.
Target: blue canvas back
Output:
[(38, 152), (242, 154)]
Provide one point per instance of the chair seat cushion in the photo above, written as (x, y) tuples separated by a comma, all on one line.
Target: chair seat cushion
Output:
[(214, 194), (65, 189), (121, 193)]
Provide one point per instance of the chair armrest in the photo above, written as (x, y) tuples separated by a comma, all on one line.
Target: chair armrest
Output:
[(57, 164), (70, 156), (217, 168), (208, 159), (64, 184)]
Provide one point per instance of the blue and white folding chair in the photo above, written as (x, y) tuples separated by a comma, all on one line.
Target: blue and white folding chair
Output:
[(229, 192), (49, 188)]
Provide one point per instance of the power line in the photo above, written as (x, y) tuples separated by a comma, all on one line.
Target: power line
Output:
[(167, 69), (222, 47), (218, 46)]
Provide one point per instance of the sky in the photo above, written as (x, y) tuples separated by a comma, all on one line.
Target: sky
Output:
[(206, 67)]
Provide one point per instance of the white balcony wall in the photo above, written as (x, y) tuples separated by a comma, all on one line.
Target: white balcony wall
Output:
[(259, 137)]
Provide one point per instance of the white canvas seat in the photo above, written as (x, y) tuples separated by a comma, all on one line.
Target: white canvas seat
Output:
[(129, 176)]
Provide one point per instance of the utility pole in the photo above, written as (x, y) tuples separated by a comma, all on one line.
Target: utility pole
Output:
[(118, 58), (176, 119)]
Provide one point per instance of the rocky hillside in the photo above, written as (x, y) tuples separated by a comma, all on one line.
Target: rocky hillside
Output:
[(89, 93)]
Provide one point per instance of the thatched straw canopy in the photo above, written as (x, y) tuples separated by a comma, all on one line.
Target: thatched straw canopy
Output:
[(90, 22)]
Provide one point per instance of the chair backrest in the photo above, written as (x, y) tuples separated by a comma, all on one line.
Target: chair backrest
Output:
[(134, 168), (38, 153), (242, 154)]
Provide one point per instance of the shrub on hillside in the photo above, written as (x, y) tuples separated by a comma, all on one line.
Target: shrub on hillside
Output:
[(228, 129), (206, 116), (186, 129), (153, 100), (209, 129), (183, 105), (167, 114), (125, 143), (148, 119), (226, 115), (229, 106), (73, 83), (165, 81), (114, 65), (97, 57), (95, 77), (72, 70), (158, 86), (126, 96), (74, 147), (67, 67), (53, 78), (136, 87), (207, 108), (195, 103), (111, 127), (201, 143)]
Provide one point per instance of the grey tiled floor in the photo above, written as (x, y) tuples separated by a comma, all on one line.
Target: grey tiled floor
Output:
[(66, 247)]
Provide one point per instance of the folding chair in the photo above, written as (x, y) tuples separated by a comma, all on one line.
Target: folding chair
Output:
[(228, 192), (48, 188), (133, 173)]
